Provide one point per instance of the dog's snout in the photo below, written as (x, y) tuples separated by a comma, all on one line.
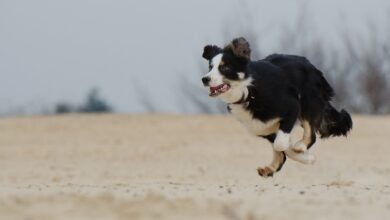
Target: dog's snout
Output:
[(206, 80)]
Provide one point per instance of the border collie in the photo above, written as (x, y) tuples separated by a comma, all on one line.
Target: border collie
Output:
[(272, 96)]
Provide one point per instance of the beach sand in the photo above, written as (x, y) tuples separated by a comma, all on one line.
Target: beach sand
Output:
[(184, 167)]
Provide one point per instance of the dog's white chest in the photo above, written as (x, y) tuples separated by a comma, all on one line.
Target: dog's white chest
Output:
[(255, 126)]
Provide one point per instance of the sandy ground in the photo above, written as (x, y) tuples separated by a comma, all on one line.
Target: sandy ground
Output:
[(184, 167)]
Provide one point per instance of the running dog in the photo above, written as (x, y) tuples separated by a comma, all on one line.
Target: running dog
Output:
[(272, 96)]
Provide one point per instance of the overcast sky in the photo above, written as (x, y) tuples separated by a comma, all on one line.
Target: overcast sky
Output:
[(53, 51)]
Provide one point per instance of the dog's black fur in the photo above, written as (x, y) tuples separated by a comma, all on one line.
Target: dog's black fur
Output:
[(314, 95)]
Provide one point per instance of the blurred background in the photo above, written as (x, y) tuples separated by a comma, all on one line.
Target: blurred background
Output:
[(145, 56)]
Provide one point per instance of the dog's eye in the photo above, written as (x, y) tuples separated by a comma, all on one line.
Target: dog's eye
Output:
[(224, 68)]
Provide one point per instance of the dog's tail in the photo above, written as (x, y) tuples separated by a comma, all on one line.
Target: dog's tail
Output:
[(334, 123), (327, 91)]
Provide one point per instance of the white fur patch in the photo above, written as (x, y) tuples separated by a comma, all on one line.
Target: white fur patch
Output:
[(255, 126), (241, 75), (282, 141)]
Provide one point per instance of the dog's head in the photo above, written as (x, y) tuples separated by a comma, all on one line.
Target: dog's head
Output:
[(227, 68)]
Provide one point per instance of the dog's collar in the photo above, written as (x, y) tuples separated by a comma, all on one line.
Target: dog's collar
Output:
[(245, 98)]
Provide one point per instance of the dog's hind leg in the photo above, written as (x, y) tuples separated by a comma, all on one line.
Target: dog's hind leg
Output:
[(278, 160), (308, 139)]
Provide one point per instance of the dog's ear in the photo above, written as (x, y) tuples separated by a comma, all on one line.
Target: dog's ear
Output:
[(210, 51), (241, 48)]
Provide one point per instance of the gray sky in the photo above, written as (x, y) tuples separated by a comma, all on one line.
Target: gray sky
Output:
[(54, 51)]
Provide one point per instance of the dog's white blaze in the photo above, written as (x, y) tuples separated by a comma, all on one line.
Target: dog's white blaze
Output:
[(216, 77), (282, 141), (255, 126)]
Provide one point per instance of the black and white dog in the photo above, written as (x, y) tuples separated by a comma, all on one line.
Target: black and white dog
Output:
[(272, 96)]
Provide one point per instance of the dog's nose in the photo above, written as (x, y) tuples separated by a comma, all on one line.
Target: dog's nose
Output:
[(206, 80)]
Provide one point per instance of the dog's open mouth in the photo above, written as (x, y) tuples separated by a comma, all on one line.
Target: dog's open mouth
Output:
[(217, 90)]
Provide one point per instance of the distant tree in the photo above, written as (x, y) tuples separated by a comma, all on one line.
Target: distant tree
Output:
[(94, 103), (63, 108)]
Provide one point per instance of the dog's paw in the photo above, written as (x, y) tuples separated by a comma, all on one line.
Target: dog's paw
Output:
[(265, 171), (305, 157), (282, 141), (299, 147), (310, 159)]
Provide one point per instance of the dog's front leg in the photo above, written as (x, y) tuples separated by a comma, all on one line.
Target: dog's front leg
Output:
[(277, 163), (282, 140)]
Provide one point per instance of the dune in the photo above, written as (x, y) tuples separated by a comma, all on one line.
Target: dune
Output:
[(113, 166)]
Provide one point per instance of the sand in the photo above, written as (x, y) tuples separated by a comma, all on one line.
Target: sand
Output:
[(184, 167)]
